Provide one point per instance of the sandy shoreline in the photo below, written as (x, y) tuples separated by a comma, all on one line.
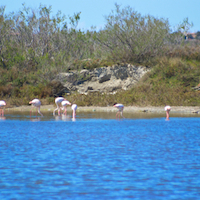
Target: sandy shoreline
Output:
[(127, 109)]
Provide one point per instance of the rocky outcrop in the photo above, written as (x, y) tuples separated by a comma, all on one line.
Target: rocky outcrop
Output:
[(104, 79)]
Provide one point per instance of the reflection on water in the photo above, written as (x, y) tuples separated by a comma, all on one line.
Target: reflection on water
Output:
[(2, 118), (95, 115), (98, 157), (62, 117)]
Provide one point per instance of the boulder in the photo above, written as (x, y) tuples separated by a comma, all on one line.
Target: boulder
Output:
[(104, 79)]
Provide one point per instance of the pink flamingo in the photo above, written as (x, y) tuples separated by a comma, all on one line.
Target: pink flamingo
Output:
[(58, 101), (36, 103), (64, 104), (167, 109), (2, 105), (74, 108), (120, 109)]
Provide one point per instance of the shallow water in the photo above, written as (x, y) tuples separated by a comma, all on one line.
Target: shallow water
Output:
[(98, 157)]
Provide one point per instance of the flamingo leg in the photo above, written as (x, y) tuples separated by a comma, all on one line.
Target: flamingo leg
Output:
[(59, 111), (122, 113), (117, 114), (56, 109), (167, 114), (65, 111), (39, 111)]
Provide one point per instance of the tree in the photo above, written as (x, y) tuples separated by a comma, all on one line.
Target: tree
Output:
[(128, 36), (6, 33), (185, 26)]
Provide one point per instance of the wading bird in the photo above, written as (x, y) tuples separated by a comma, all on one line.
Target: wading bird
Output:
[(64, 104), (167, 109), (58, 101), (36, 103), (2, 105), (120, 109)]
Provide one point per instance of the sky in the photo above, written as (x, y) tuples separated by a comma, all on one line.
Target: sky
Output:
[(93, 12)]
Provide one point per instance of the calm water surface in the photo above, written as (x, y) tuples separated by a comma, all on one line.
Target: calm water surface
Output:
[(99, 157)]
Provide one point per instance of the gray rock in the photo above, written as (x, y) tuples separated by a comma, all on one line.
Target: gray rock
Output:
[(104, 79)]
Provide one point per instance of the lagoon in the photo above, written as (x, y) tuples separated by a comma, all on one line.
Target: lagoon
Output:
[(98, 157)]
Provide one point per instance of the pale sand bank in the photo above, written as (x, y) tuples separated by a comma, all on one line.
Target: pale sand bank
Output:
[(127, 109)]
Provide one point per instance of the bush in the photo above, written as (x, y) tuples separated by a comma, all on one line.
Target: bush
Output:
[(130, 37)]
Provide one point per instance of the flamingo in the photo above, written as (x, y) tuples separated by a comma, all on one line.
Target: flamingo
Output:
[(2, 105), (64, 104), (58, 101), (167, 109), (120, 109), (74, 108), (36, 103)]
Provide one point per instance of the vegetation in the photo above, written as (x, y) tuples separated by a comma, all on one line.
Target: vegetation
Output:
[(36, 46)]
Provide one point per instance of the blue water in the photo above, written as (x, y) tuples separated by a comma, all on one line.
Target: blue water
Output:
[(99, 158)]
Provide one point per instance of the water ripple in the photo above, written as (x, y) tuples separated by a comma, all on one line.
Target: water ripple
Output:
[(100, 159)]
